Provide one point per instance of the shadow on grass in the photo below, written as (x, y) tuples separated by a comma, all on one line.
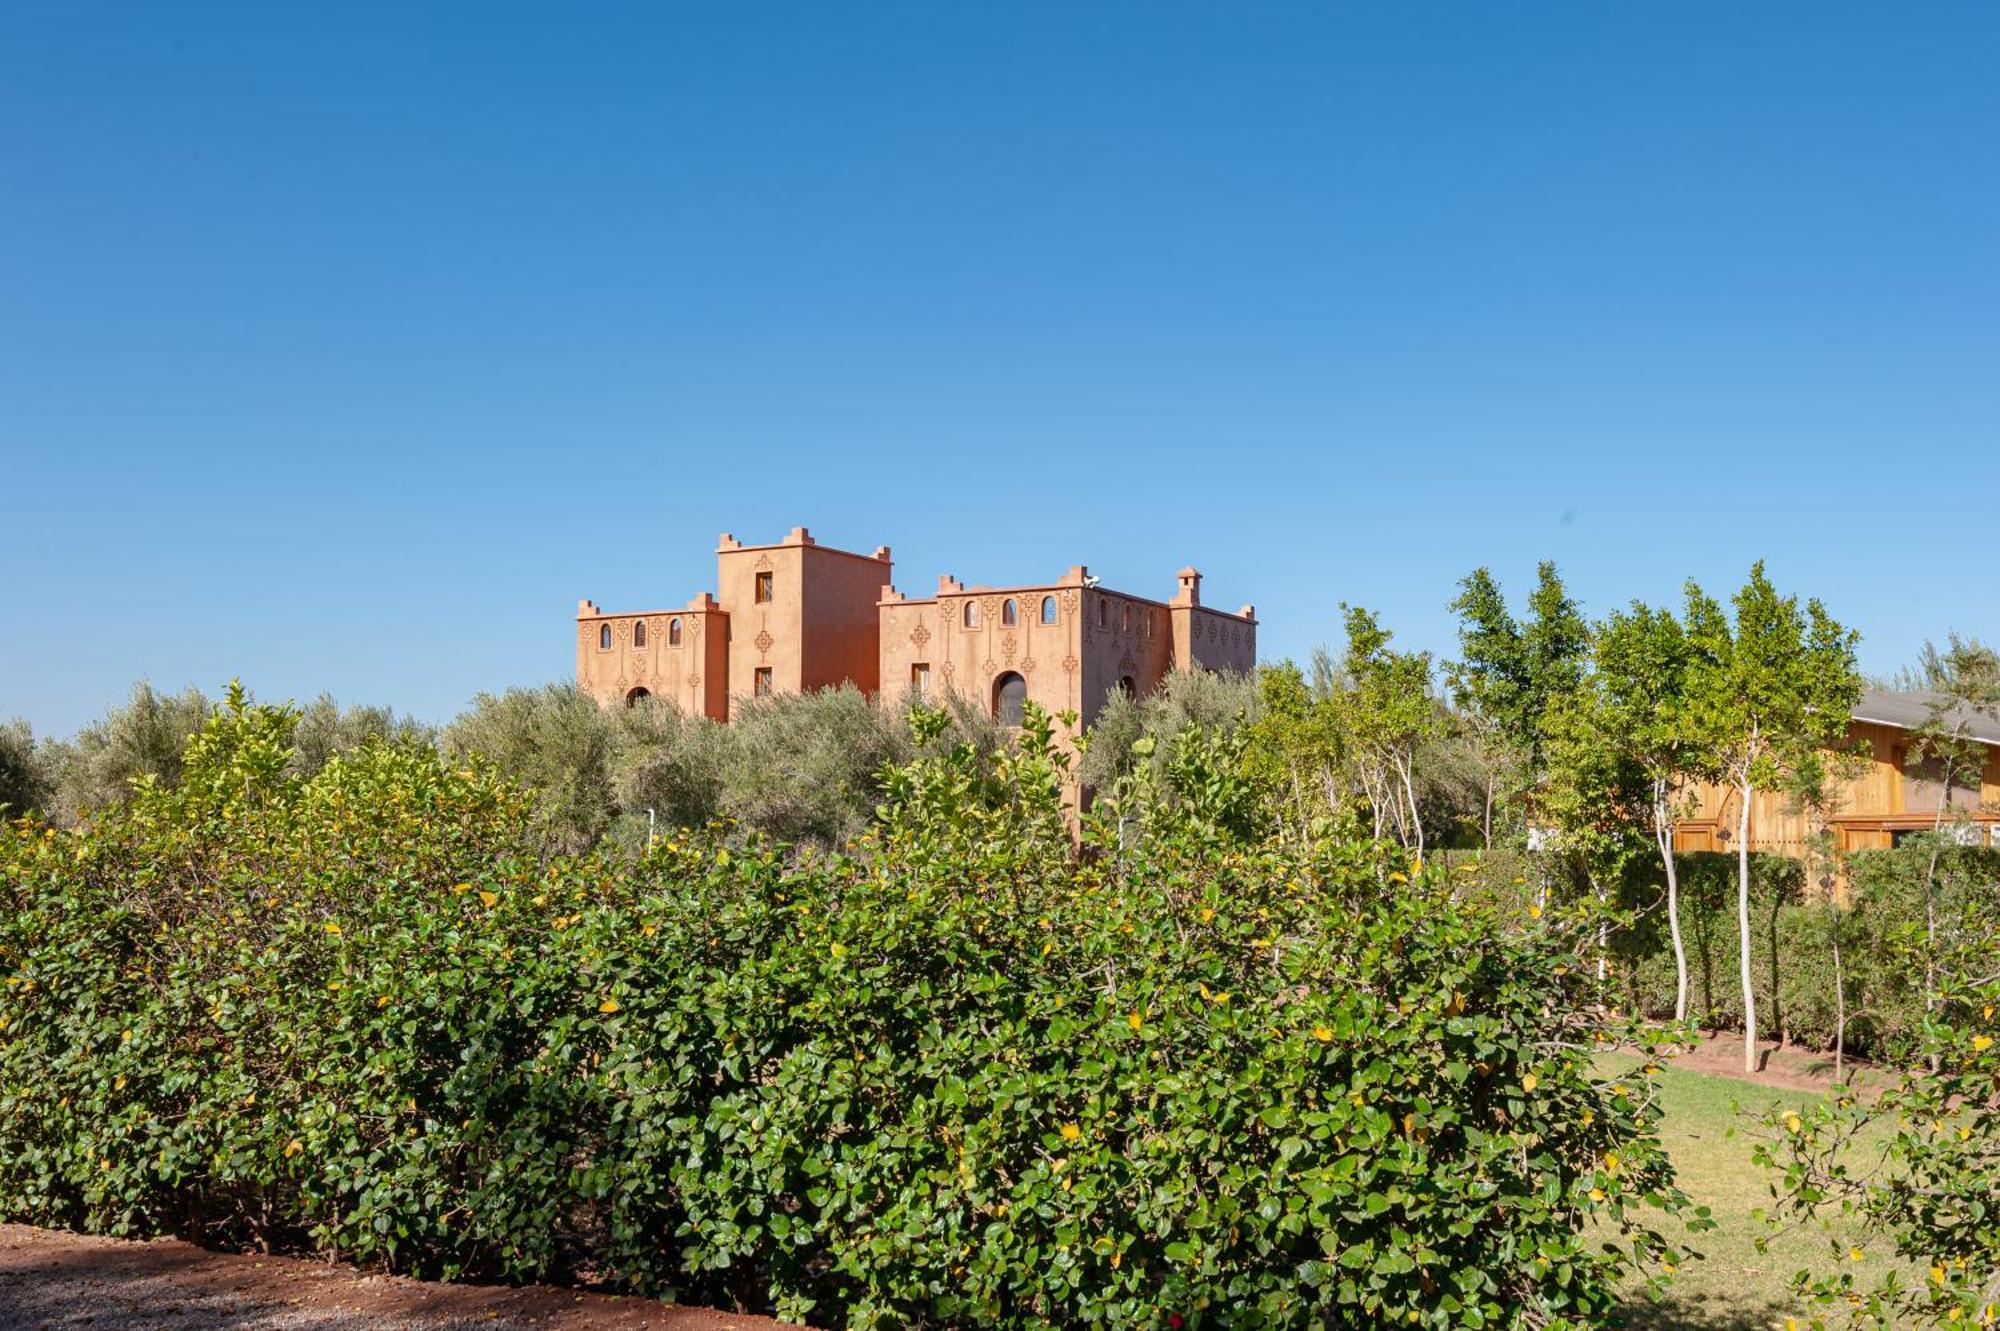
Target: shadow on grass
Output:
[(1695, 1312)]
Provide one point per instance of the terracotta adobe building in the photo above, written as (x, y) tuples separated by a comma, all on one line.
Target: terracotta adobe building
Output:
[(797, 615)]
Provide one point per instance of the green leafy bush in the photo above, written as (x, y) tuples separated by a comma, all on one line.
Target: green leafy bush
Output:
[(1915, 1166), (963, 1076)]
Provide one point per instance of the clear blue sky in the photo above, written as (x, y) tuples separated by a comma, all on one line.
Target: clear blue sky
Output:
[(344, 350)]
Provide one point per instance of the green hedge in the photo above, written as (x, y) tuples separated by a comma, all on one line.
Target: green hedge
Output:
[(961, 1076), (1792, 942)]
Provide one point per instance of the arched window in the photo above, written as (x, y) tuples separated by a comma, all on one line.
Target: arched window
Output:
[(1103, 614), (1010, 614), (639, 633), (637, 696), (1124, 619), (1009, 692), (1127, 687), (1048, 609), (972, 614), (603, 637), (673, 633)]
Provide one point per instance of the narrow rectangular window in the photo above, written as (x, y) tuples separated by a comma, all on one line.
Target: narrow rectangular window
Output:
[(920, 679), (761, 679), (763, 588)]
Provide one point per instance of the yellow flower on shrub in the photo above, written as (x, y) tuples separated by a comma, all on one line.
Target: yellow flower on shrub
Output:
[(608, 1006), (1530, 1082), (1323, 1033), (1982, 1043), (487, 899), (1135, 1021), (293, 1147), (331, 928), (1070, 1132)]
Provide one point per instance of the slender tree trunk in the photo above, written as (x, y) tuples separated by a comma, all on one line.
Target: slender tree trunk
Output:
[(1839, 993), (1486, 816), (1406, 771), (1746, 790), (1663, 832)]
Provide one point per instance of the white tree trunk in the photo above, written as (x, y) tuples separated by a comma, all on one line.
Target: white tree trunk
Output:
[(1743, 927), (1663, 832)]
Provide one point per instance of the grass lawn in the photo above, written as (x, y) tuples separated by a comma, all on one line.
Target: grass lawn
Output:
[(1735, 1286)]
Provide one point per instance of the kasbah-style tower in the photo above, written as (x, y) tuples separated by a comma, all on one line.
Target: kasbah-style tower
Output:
[(797, 615)]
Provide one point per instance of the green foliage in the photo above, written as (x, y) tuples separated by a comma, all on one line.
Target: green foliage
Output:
[(325, 728), (1928, 1188), (24, 781), (555, 740), (1708, 920), (144, 738), (1512, 672), (1387, 714), (966, 1076), (1212, 701)]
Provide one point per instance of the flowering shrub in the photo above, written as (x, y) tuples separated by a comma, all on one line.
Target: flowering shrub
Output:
[(962, 1074), (1917, 1166)]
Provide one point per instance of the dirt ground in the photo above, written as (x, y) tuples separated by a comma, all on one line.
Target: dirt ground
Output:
[(51, 1281), (1792, 1068)]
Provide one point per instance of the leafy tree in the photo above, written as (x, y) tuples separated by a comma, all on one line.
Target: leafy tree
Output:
[(144, 738), (1642, 673), (1209, 700), (1387, 713), (555, 740), (325, 728), (809, 766), (24, 782), (1594, 796), (1962, 680), (1766, 695), (1296, 748), (1511, 672)]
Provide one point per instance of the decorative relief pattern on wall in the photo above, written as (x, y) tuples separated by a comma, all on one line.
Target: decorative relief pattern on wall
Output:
[(763, 642), (1007, 646), (1069, 664), (1027, 666), (920, 635)]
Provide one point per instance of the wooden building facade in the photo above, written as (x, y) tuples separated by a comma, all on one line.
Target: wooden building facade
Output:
[(1889, 792)]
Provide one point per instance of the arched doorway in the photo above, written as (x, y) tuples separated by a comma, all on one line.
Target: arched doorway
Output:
[(637, 696), (1010, 691)]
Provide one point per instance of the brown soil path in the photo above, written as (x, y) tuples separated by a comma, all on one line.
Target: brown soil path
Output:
[(1790, 1068), (53, 1281)]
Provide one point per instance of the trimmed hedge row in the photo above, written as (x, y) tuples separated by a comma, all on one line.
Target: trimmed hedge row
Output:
[(961, 1076)]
